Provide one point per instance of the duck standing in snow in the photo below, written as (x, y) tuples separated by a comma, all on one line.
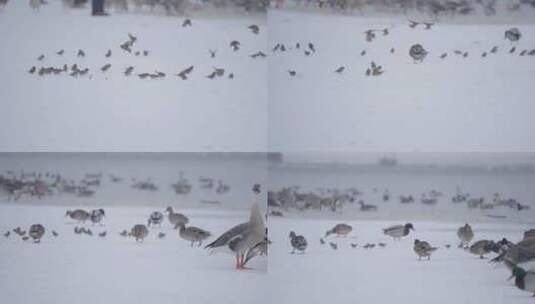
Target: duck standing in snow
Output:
[(398, 231), (193, 234), (78, 215), (140, 232), (339, 230), (423, 249), (176, 219), (465, 234), (36, 232), (155, 218), (417, 52), (524, 280), (298, 242), (482, 247)]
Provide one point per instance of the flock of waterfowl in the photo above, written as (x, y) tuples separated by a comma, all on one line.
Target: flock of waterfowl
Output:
[(334, 199), (246, 240), (516, 256), (128, 48), (417, 52), (16, 185)]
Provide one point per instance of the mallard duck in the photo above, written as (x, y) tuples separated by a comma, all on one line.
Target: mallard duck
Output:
[(524, 280), (465, 234), (339, 230), (398, 231), (423, 249), (193, 234), (298, 242)]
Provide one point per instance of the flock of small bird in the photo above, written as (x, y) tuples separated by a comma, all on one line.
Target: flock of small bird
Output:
[(417, 51), (514, 256), (76, 70)]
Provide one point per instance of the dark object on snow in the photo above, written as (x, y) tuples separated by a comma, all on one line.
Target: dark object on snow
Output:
[(513, 34), (417, 52), (98, 8)]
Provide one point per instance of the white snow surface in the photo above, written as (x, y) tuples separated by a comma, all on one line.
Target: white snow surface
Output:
[(456, 104), (392, 274), (112, 112), (75, 268)]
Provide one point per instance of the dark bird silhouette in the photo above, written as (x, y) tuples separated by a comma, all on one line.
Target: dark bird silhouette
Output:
[(105, 67), (283, 48), (132, 38), (137, 53), (219, 72), (392, 50), (235, 45), (443, 55), (297, 45), (212, 75), (523, 52), (428, 25), (413, 24), (484, 54), (143, 75), (184, 73), (276, 47), (186, 23), (212, 53), (292, 73), (32, 70), (512, 50), (311, 47), (385, 32), (80, 53), (254, 28), (333, 245), (465, 54), (363, 53), (102, 234), (231, 76), (340, 70), (126, 46), (145, 53), (368, 72), (108, 54), (40, 58), (307, 53), (128, 71), (60, 52), (494, 50), (54, 233), (258, 54)]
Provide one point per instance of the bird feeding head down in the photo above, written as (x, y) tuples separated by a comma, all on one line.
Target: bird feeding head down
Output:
[(256, 188), (409, 226)]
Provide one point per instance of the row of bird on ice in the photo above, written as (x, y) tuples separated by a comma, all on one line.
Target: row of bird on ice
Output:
[(518, 257), (245, 240), (128, 47)]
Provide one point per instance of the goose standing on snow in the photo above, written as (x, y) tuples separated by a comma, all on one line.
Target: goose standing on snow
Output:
[(466, 235), (423, 249), (193, 234), (36, 232), (176, 219), (242, 237), (524, 280), (339, 230), (398, 231), (298, 242)]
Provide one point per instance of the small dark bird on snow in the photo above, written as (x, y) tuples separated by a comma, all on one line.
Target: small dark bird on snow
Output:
[(212, 75), (258, 54), (283, 48), (443, 55), (235, 45), (143, 75), (54, 233), (186, 23), (128, 71), (32, 70), (102, 234), (307, 53), (145, 53), (494, 50), (297, 45), (333, 245), (81, 53), (513, 49), (465, 54), (60, 52), (7, 233), (353, 245), (184, 73), (340, 70), (105, 67), (523, 52), (368, 72), (385, 32), (41, 57), (392, 50), (363, 53), (413, 24), (292, 73), (212, 53), (484, 54), (231, 76), (108, 54), (219, 72), (311, 47), (322, 241), (161, 235), (254, 28)]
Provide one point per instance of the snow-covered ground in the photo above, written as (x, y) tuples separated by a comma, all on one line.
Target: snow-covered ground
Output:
[(453, 104), (111, 112), (391, 274), (72, 268)]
